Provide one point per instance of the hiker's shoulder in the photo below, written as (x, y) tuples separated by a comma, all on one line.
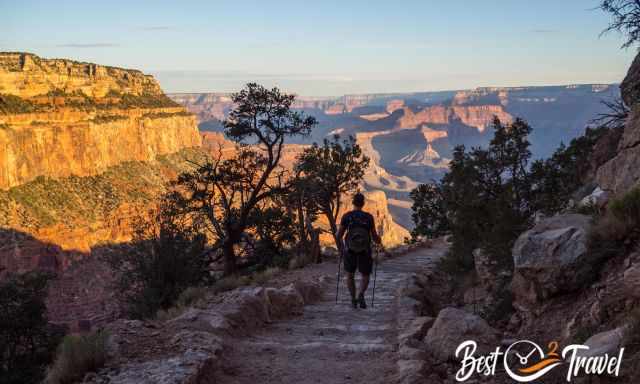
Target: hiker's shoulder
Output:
[(370, 216), (347, 216)]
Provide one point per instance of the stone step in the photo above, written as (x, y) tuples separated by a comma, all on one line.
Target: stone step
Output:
[(368, 346)]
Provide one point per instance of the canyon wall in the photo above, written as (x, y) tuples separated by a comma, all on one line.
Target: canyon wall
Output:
[(27, 75), (65, 144), (622, 173), (478, 116), (60, 118), (84, 149)]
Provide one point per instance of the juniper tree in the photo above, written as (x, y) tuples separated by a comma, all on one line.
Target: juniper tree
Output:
[(226, 191), (331, 170)]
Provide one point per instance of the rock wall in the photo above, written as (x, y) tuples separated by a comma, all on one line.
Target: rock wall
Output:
[(478, 116), (84, 148), (27, 75), (52, 223), (60, 118), (622, 173), (65, 143)]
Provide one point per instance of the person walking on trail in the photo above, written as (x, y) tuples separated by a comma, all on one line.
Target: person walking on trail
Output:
[(360, 230)]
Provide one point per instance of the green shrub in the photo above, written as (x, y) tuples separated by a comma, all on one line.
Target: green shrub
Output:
[(627, 208), (13, 104), (583, 333), (78, 355), (56, 92), (556, 179), (161, 115), (616, 232), (587, 209), (27, 342), (192, 296), (128, 100), (165, 258), (263, 277), (484, 201), (104, 119)]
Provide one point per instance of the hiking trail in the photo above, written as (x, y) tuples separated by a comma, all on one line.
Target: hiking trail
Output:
[(331, 343)]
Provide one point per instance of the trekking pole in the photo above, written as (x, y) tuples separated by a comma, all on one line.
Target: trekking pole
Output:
[(375, 276), (338, 281)]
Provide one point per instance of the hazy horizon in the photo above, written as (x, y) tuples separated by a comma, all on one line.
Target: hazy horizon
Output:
[(328, 48), (393, 93)]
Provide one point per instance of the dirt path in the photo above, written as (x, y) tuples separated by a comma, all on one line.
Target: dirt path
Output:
[(330, 343)]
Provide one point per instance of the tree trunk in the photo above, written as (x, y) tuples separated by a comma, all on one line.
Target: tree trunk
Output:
[(229, 257), (334, 232), (302, 232)]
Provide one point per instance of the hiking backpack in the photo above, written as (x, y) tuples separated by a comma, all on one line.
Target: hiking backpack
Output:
[(358, 234)]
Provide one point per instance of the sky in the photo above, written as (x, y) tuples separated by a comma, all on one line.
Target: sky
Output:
[(324, 47)]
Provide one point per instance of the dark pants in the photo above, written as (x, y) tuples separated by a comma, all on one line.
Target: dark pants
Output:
[(362, 261)]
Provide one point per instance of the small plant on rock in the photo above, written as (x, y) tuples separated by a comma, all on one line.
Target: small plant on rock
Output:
[(78, 355)]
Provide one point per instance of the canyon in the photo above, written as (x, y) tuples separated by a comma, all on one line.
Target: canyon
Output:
[(410, 136), (86, 150)]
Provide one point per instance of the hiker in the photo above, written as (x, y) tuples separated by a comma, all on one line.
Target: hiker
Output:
[(360, 229)]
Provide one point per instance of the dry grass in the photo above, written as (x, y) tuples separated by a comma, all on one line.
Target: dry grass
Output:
[(190, 297), (616, 231), (195, 296), (76, 356)]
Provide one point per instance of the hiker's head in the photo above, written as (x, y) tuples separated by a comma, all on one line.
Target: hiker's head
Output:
[(358, 200)]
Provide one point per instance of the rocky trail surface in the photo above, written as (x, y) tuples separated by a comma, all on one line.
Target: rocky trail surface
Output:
[(332, 343)]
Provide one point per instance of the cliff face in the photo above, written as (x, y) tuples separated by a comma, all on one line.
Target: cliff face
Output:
[(478, 116), (83, 149), (622, 173), (27, 75), (206, 106), (65, 144), (50, 223), (60, 118)]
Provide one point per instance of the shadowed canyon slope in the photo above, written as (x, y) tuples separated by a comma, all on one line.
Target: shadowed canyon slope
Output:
[(86, 148)]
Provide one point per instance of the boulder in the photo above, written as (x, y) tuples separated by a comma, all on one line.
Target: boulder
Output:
[(417, 328), (621, 173), (597, 198), (631, 280), (410, 371), (608, 342), (284, 302), (452, 327), (551, 258), (310, 291)]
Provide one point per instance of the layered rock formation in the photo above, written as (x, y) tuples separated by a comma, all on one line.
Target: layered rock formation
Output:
[(60, 118), (27, 75), (62, 144), (479, 116), (428, 157), (85, 148), (622, 173), (84, 151), (206, 106)]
